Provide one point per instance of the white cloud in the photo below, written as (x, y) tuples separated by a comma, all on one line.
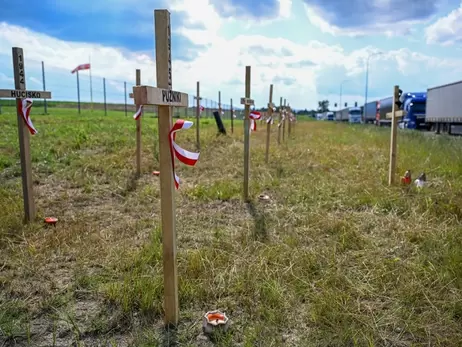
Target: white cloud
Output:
[(446, 30), (389, 29)]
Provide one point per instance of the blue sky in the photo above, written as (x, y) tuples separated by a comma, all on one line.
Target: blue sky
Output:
[(306, 48)]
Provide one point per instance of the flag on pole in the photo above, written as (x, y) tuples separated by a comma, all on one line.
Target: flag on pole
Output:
[(81, 67)]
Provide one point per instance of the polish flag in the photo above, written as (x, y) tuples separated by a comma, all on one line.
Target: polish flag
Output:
[(81, 67)]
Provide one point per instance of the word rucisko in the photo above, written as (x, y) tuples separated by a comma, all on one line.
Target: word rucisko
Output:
[(24, 94)]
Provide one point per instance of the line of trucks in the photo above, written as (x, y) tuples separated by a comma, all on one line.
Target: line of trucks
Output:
[(438, 109)]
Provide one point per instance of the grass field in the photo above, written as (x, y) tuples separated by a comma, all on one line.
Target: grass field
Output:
[(336, 258)]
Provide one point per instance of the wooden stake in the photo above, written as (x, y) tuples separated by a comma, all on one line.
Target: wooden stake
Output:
[(219, 103), (138, 130), (268, 124), (164, 80), (21, 93), (289, 122), (232, 118), (281, 113), (198, 114), (247, 102), (284, 122), (24, 138), (394, 131)]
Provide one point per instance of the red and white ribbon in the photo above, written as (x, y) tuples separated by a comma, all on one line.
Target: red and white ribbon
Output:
[(24, 107), (270, 120), (138, 113), (254, 115), (186, 157), (283, 118), (201, 108)]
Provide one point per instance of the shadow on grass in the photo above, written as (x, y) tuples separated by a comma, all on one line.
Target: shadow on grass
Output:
[(260, 231)]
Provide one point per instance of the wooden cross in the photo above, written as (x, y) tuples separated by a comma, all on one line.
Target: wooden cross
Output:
[(284, 122), (164, 97), (290, 122), (138, 130), (21, 93), (247, 101), (232, 117), (198, 112), (268, 124), (281, 114), (394, 131)]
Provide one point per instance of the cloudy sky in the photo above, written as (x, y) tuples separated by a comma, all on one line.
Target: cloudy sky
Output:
[(306, 48)]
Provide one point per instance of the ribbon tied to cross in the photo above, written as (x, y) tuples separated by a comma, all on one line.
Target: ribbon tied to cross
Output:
[(138, 113), (254, 115), (25, 106), (183, 155)]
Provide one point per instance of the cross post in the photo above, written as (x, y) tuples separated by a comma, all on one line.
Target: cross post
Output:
[(198, 111), (268, 123), (247, 102), (165, 98), (20, 93)]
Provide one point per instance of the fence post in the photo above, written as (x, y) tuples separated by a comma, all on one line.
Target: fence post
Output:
[(43, 82), (104, 91), (125, 88)]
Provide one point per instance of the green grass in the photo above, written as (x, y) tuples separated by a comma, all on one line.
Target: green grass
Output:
[(336, 258)]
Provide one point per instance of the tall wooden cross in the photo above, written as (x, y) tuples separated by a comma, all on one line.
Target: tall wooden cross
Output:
[(284, 122), (138, 130), (232, 117), (20, 93), (198, 114), (247, 102), (268, 123), (165, 98), (281, 115)]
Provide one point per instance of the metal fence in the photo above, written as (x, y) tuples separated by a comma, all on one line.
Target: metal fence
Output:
[(97, 93)]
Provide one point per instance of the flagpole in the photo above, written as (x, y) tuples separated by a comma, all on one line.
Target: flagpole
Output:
[(91, 89)]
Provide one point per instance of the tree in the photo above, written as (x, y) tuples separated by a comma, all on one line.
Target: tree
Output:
[(323, 106)]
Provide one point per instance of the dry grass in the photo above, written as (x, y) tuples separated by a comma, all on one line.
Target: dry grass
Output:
[(336, 258)]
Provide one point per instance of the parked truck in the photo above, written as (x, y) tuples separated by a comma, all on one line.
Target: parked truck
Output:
[(342, 115), (384, 106), (354, 115), (370, 112), (414, 107), (444, 107)]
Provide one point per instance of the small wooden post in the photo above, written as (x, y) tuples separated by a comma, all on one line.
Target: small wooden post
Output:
[(20, 93), (219, 103), (247, 102), (165, 98), (281, 113), (198, 114), (268, 123), (284, 122), (394, 131), (138, 130), (232, 117), (289, 130)]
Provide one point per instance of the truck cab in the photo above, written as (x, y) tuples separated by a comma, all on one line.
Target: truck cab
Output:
[(414, 106), (354, 115), (330, 116)]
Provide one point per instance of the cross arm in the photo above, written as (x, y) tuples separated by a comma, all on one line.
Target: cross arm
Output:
[(146, 95), (18, 93), (247, 101)]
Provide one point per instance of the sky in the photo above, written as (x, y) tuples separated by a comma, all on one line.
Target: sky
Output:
[(310, 50)]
